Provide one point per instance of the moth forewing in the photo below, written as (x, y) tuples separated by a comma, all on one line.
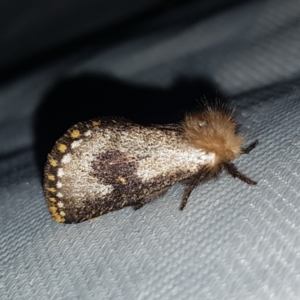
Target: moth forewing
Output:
[(106, 164)]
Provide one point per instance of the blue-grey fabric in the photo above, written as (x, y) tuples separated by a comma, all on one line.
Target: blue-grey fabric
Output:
[(232, 241)]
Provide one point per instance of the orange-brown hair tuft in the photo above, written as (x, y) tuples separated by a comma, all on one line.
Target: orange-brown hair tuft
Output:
[(214, 130)]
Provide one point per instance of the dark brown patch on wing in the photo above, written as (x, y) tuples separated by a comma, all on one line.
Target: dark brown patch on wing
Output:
[(118, 169), (114, 167)]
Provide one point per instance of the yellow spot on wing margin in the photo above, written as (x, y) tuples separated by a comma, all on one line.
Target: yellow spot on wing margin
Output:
[(95, 123), (51, 177), (75, 134), (62, 147), (52, 190), (57, 217), (53, 162), (52, 209)]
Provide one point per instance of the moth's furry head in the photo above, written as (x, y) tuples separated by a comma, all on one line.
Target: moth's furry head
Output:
[(214, 130)]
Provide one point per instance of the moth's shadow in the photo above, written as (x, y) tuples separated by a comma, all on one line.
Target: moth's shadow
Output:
[(89, 96)]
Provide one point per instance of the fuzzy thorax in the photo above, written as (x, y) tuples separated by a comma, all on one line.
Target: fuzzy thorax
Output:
[(214, 131)]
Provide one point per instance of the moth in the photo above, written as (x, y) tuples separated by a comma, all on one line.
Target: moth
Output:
[(106, 164)]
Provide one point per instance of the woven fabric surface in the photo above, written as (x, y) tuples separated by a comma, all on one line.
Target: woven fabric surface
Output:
[(232, 241)]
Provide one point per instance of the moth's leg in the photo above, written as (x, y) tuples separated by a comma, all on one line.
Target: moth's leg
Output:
[(186, 194), (233, 171), (149, 198), (248, 149), (193, 182)]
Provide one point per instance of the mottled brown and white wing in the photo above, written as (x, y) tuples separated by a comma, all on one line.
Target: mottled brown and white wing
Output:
[(104, 165)]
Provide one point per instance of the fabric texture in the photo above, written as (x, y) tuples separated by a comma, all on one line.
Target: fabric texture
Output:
[(232, 241)]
